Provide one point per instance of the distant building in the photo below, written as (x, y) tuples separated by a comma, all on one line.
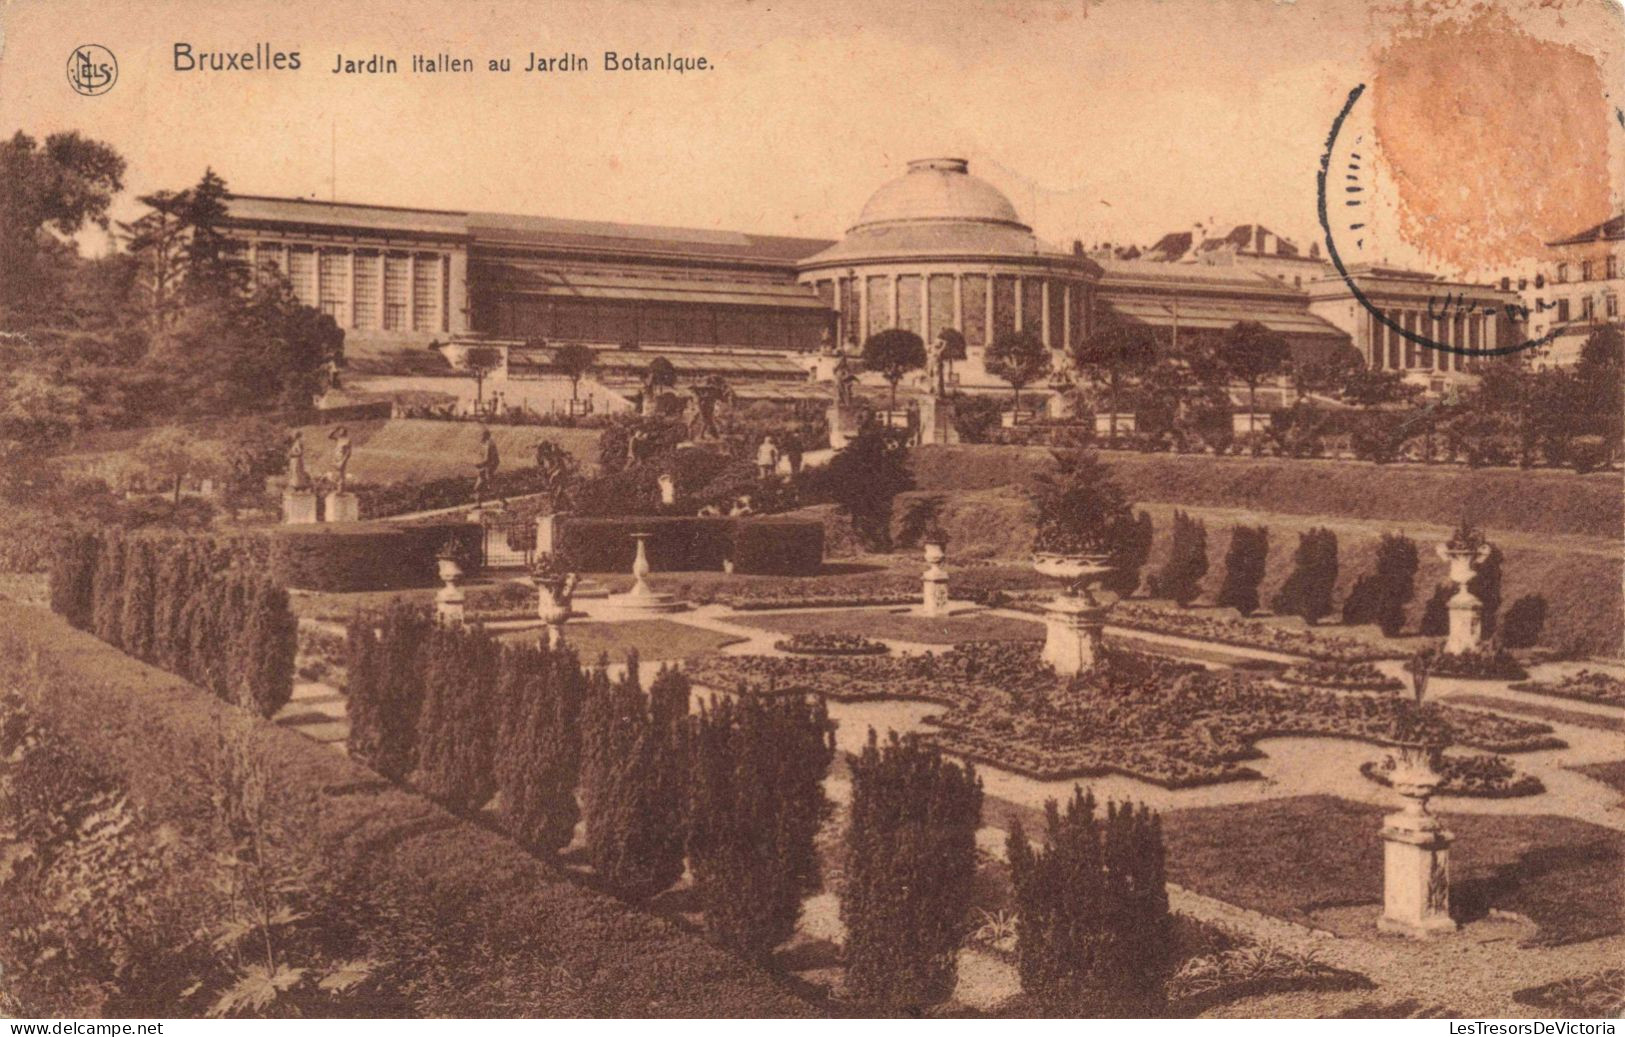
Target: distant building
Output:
[(1576, 290)]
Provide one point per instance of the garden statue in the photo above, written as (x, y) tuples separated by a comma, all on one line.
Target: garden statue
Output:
[(1464, 552), (936, 365), (767, 458), (298, 478), (1416, 845), (449, 599), (555, 591), (340, 505), (668, 490), (485, 468), (844, 377), (341, 458), (298, 497)]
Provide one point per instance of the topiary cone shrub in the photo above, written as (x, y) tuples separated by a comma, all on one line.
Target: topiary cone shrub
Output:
[(910, 869)]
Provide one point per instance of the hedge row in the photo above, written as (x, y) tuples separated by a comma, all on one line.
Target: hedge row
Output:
[(365, 556), (476, 927), (762, 546), (401, 498), (194, 606)]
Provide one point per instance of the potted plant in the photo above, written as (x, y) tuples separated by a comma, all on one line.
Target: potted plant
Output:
[(935, 543), (1418, 736), (1082, 517), (555, 589)]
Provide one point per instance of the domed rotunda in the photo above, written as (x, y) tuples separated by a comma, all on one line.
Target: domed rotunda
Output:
[(938, 248)]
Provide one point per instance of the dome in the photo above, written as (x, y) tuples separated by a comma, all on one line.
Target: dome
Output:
[(938, 189)]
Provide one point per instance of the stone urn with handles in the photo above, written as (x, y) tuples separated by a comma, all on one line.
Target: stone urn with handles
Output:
[(1464, 553)]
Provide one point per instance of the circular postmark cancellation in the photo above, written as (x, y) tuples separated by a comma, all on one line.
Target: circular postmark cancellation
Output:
[(92, 69), (1346, 217)]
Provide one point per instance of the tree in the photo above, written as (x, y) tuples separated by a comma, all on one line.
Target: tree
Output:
[(1129, 557), (1368, 387), (634, 759), (1252, 353), (1307, 592), (1081, 508), (457, 724), (1327, 372), (1115, 352), (1601, 376), (1524, 619), (156, 239), (1018, 358), (1244, 568), (863, 477), (58, 187), (538, 759), (384, 663), (1181, 575), (1094, 936), (212, 272), (268, 641), (575, 361), (1380, 596), (173, 454), (911, 866), (480, 361), (756, 802), (894, 353)]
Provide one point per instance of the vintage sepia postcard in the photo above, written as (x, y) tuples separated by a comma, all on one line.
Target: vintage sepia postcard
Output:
[(729, 509)]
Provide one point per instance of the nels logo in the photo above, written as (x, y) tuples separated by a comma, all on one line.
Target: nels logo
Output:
[(92, 69)]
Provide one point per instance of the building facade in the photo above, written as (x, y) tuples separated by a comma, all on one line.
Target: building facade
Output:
[(1576, 290)]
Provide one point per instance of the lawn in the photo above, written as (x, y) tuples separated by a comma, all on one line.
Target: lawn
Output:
[(1552, 714), (1560, 873), (875, 623), (653, 640)]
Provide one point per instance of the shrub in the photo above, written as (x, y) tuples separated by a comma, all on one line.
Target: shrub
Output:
[(1180, 577), (975, 417), (457, 725), (863, 477), (1307, 592), (660, 436), (538, 757), (1523, 622), (1380, 596), (71, 574), (1244, 568), (911, 865), (756, 802), (1094, 936), (385, 690), (369, 556), (778, 547), (1130, 557), (634, 758), (768, 546)]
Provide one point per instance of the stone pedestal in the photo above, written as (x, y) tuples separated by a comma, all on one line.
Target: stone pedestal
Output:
[(1416, 876), (298, 507), (1466, 623), (934, 591), (343, 507), (1072, 642), (642, 600), (843, 424), (937, 422), (545, 528)]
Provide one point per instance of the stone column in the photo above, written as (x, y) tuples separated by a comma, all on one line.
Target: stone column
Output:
[(1043, 301), (959, 302)]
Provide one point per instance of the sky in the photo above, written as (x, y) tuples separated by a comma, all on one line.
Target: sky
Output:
[(1102, 120)]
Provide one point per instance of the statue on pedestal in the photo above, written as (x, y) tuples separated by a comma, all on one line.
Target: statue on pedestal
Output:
[(844, 377), (936, 363), (341, 457), (298, 478)]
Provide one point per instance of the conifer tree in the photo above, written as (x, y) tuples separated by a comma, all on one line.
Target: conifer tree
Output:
[(1380, 596), (385, 690), (538, 759), (72, 575), (140, 585), (172, 589), (634, 759), (457, 726), (1244, 568), (107, 590), (1308, 589), (756, 801), (1129, 557), (1093, 936), (910, 868), (1180, 577), (270, 639)]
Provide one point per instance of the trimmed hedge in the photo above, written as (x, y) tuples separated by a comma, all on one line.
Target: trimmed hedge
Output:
[(479, 928), (763, 546), (367, 556)]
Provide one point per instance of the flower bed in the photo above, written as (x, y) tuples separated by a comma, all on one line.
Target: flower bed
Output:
[(1249, 634), (1481, 776), (830, 644), (1172, 724), (1585, 686), (1484, 663), (1341, 676)]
